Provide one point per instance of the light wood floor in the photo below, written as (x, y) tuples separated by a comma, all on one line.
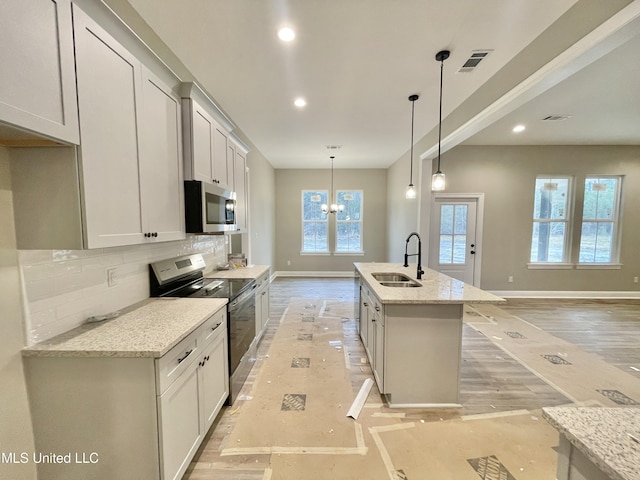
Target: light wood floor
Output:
[(490, 380)]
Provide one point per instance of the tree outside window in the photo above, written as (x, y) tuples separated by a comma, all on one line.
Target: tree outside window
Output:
[(349, 222), (314, 222), (550, 220), (600, 220)]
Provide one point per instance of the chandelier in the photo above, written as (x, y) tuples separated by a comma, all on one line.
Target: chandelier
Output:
[(334, 207)]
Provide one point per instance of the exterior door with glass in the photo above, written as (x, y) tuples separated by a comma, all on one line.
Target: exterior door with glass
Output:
[(453, 249)]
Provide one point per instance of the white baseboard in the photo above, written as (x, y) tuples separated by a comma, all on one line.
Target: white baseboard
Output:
[(565, 294), (327, 274)]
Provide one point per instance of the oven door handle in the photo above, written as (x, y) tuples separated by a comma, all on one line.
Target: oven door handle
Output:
[(242, 298)]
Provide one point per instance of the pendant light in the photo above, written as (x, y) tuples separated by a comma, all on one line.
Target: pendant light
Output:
[(438, 183), (411, 191), (334, 207)]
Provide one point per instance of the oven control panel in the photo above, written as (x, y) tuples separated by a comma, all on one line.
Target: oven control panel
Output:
[(174, 268)]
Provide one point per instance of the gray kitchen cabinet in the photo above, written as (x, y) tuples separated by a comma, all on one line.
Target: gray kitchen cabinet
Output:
[(206, 139), (160, 160), (195, 394), (262, 302), (135, 415), (372, 329), (38, 87), (239, 152), (123, 184)]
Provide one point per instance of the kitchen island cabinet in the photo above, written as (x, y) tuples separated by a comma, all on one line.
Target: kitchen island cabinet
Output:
[(413, 335), (596, 443), (135, 395)]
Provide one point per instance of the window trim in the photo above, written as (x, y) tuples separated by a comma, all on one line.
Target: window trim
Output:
[(568, 221), (360, 251), (616, 222), (303, 222)]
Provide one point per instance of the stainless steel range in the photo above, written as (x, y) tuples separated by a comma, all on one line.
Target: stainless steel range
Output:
[(183, 277)]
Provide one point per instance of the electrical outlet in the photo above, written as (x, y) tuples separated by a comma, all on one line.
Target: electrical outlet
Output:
[(288, 262), (510, 279), (112, 277), (635, 279)]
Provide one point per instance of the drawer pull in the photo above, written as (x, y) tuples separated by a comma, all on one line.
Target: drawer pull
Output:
[(216, 326), (186, 354)]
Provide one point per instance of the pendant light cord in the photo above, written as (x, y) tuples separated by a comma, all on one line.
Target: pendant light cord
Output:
[(440, 116), (413, 104)]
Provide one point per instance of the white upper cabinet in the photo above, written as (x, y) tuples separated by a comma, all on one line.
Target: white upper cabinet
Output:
[(238, 151), (109, 84), (37, 91), (161, 171), (206, 139), (130, 155)]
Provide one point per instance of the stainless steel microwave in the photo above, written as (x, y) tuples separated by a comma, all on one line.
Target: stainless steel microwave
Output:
[(209, 208)]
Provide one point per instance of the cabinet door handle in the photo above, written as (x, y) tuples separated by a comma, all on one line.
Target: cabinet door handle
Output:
[(365, 304), (186, 354), (377, 308)]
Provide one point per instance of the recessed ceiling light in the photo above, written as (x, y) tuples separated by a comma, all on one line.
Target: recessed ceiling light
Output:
[(300, 102), (286, 34), (518, 128)]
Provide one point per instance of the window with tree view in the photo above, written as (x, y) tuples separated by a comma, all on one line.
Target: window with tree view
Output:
[(550, 220), (314, 222), (600, 220), (349, 222)]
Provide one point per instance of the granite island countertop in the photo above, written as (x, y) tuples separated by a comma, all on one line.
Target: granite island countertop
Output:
[(436, 287), (602, 435), (251, 271), (147, 329)]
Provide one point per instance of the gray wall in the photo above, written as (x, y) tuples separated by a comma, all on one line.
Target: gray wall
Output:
[(402, 214), (15, 421), (289, 185), (262, 208), (506, 175)]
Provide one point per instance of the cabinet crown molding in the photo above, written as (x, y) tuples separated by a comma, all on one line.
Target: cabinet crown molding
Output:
[(194, 91)]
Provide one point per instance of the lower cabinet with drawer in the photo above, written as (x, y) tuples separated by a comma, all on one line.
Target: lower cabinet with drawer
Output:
[(129, 416), (193, 384)]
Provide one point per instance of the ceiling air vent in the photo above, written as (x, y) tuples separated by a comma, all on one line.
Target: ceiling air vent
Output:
[(472, 62), (556, 117)]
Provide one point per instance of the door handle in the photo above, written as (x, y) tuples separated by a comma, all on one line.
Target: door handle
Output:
[(472, 252)]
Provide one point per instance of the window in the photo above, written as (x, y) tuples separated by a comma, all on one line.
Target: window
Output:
[(598, 238), (453, 234), (314, 222), (549, 242), (349, 222)]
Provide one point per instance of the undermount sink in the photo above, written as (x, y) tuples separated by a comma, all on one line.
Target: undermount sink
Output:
[(391, 277), (409, 283), (395, 280)]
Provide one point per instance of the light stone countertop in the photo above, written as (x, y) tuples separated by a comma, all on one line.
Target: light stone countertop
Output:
[(147, 329), (251, 271), (602, 435), (436, 288)]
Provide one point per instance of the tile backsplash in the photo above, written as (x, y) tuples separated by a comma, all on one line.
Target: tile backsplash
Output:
[(62, 288)]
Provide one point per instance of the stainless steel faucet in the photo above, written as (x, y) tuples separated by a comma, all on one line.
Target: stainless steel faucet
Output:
[(419, 254)]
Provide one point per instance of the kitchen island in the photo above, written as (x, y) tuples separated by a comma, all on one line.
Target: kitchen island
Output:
[(597, 443), (412, 331)]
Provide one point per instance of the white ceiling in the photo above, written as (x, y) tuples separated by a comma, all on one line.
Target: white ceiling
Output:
[(357, 61)]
